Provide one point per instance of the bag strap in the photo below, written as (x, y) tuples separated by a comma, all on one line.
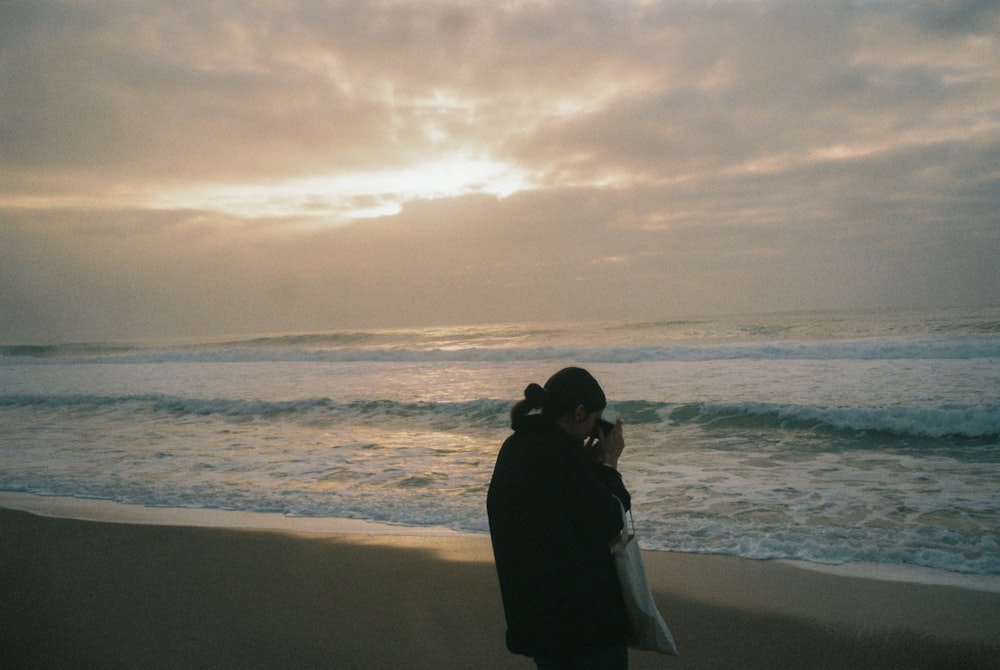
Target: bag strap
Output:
[(626, 519)]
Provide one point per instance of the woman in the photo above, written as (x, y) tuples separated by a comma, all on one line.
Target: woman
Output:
[(554, 504)]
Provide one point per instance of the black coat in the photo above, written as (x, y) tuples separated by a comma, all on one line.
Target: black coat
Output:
[(552, 514)]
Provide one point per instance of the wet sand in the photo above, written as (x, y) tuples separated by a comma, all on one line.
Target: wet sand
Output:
[(90, 594)]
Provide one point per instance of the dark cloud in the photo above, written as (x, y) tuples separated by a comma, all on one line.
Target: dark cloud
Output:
[(964, 17)]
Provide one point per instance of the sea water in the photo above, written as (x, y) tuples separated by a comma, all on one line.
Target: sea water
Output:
[(830, 438)]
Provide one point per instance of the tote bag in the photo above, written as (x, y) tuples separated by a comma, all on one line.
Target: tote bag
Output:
[(649, 631)]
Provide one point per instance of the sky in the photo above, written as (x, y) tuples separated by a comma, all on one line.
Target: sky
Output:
[(201, 168)]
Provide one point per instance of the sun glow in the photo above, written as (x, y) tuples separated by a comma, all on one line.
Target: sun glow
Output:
[(357, 195)]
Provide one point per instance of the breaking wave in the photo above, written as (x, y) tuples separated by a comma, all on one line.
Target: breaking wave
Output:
[(979, 421)]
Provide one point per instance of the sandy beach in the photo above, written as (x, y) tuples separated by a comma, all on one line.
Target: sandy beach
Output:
[(91, 594)]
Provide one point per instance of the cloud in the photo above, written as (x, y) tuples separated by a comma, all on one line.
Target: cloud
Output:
[(173, 168)]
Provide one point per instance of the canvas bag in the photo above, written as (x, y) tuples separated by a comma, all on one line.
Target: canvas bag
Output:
[(649, 631)]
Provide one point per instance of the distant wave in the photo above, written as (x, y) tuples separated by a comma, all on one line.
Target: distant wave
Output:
[(968, 422), (345, 350), (981, 421), (164, 403), (63, 351), (475, 411)]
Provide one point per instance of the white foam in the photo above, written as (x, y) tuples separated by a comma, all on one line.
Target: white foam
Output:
[(905, 573), (89, 509)]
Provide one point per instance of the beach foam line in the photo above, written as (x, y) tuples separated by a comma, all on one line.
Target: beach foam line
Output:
[(92, 509), (911, 574)]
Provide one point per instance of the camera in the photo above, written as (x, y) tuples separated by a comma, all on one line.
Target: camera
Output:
[(603, 425)]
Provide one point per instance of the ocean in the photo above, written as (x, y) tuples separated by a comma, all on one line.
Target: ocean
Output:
[(853, 439)]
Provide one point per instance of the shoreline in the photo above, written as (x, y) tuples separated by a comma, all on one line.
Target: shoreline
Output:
[(122, 594), (99, 509)]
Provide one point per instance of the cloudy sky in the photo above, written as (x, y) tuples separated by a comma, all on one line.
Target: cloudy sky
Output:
[(204, 167)]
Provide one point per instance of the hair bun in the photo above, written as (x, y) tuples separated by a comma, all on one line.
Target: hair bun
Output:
[(535, 395)]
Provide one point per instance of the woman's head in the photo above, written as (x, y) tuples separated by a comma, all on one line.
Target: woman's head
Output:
[(566, 392)]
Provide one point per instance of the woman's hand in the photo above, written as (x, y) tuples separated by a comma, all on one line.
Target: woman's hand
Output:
[(612, 444), (605, 448)]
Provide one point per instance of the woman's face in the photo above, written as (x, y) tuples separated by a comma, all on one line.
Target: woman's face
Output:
[(585, 424)]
